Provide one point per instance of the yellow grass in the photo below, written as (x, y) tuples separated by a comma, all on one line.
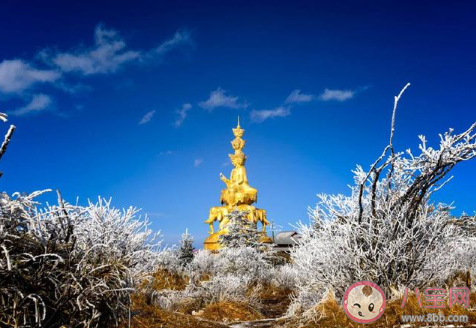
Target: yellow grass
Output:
[(229, 312), (274, 301), (149, 316), (163, 279), (330, 313)]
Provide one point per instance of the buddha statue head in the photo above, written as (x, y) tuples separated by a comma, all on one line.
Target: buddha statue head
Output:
[(238, 159), (238, 144)]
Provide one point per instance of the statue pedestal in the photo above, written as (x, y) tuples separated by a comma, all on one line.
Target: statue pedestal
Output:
[(212, 243), (266, 240)]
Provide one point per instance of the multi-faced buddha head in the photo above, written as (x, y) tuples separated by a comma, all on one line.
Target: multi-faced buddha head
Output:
[(238, 159), (238, 144)]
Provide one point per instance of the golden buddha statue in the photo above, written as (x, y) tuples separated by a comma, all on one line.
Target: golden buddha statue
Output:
[(238, 191), (237, 195)]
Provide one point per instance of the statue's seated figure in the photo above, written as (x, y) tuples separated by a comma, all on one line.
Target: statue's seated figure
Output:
[(238, 190)]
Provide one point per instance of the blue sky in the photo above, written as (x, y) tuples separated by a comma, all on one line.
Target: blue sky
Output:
[(136, 101)]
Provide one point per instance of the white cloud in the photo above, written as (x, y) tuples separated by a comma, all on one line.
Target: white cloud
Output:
[(182, 114), (219, 98), (259, 116), (38, 103), (181, 37), (197, 162), (107, 55), (296, 97), (16, 76), (166, 153), (338, 95), (147, 117), (110, 53)]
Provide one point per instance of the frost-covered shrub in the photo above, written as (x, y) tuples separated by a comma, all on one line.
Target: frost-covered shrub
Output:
[(228, 287), (232, 288), (236, 261), (388, 230), (175, 259), (69, 264), (233, 274), (121, 235), (284, 276), (167, 259), (465, 247), (203, 263)]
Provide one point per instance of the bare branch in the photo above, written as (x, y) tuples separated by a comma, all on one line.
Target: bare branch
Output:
[(6, 141)]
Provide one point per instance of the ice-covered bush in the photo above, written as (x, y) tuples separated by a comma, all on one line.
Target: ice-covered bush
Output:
[(229, 287), (233, 274), (284, 276), (237, 261), (388, 230), (67, 264), (167, 259)]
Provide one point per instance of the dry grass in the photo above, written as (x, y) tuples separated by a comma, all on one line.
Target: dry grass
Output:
[(229, 312), (330, 313), (163, 279), (327, 314), (460, 279), (274, 301), (189, 305), (149, 316), (195, 313)]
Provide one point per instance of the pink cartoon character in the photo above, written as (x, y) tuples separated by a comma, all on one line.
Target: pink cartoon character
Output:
[(364, 302)]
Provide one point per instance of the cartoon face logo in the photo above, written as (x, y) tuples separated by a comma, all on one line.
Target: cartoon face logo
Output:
[(364, 302)]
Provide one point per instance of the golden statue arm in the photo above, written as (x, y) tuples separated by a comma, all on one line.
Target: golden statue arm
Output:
[(225, 180)]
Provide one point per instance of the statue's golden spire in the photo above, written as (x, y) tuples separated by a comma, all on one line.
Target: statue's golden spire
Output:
[(238, 132), (238, 144)]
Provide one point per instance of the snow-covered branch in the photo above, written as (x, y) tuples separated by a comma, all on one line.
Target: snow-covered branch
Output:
[(388, 230)]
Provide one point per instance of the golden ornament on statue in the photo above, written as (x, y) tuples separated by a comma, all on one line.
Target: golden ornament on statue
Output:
[(237, 195)]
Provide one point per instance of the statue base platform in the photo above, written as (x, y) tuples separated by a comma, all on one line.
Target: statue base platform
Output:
[(212, 243)]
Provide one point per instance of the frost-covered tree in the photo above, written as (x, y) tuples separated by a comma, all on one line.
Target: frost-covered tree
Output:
[(241, 231), (388, 230), (67, 264), (186, 249)]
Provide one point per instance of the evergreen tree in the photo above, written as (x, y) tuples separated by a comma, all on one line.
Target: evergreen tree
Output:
[(241, 232), (185, 252)]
